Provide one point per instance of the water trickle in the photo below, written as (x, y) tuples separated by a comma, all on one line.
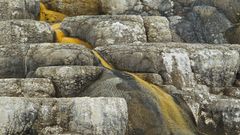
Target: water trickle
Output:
[(172, 113)]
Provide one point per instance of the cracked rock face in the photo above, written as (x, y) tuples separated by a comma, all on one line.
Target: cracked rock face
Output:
[(76, 115)]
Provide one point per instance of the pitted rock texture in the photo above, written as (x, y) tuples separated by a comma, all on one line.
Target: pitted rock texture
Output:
[(19, 9), (38, 88), (43, 116), (106, 30), (25, 31), (70, 81), (20, 60)]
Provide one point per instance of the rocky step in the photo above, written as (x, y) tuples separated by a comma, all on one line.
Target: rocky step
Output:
[(19, 9), (108, 30), (117, 29), (25, 31), (29, 87), (19, 60), (63, 116), (179, 64)]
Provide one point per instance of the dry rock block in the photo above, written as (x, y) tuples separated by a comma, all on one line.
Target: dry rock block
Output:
[(30, 87), (25, 31), (19, 9), (42, 55)]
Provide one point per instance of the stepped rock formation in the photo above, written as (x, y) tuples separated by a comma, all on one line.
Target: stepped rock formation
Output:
[(119, 67)]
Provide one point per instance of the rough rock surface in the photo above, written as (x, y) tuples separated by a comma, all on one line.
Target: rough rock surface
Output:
[(70, 81), (203, 79), (178, 63), (38, 88), (19, 9), (205, 24), (22, 31), (113, 7), (19, 60), (157, 29), (40, 55), (96, 116), (107, 30), (141, 108)]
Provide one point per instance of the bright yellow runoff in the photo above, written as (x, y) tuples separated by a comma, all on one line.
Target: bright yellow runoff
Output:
[(56, 26), (50, 16), (75, 41), (171, 111), (103, 62), (59, 36)]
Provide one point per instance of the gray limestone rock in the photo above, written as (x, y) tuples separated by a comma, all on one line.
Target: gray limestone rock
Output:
[(112, 7), (12, 64), (25, 31), (40, 55), (173, 64), (173, 21), (178, 63), (19, 9), (157, 29), (93, 116), (19, 60), (233, 92), (70, 81), (233, 35), (215, 67), (231, 8), (38, 88), (210, 25), (204, 24), (221, 117), (106, 30)]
